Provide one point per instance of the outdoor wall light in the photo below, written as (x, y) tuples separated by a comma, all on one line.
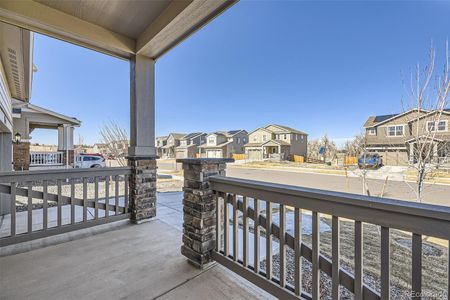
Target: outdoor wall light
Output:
[(17, 138)]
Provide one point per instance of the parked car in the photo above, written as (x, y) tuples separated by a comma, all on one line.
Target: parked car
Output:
[(90, 161), (370, 160)]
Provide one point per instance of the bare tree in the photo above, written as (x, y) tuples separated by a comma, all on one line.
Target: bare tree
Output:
[(429, 98), (116, 142)]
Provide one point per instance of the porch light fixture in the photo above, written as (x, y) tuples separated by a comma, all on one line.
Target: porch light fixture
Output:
[(17, 138)]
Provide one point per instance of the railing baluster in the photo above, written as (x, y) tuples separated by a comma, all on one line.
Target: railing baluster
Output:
[(282, 245), (96, 197), (385, 263), (84, 199), (126, 193), (218, 221), (45, 205), (72, 201), (116, 193), (13, 208), (235, 229), (59, 208), (297, 250), (269, 240), (358, 260), (106, 196), (30, 206), (256, 236), (416, 271), (245, 230), (315, 256), (226, 225), (336, 254)]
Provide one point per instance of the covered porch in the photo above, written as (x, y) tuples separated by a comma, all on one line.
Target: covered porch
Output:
[(242, 238)]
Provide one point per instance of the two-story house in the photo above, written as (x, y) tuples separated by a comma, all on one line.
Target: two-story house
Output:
[(276, 141), (167, 150), (223, 144), (189, 145), (160, 142), (395, 137)]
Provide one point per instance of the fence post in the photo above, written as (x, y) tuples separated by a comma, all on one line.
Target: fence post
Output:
[(199, 208)]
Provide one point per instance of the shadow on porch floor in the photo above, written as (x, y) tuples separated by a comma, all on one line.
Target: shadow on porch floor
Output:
[(130, 262)]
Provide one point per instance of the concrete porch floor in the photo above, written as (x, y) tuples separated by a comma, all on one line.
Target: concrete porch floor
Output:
[(127, 262)]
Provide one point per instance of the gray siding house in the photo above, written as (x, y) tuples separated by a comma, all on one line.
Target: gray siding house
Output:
[(223, 144), (189, 145), (276, 141), (395, 136)]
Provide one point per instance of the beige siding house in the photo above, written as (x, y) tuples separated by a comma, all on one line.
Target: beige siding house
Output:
[(395, 136), (171, 143), (276, 141), (224, 144), (189, 145)]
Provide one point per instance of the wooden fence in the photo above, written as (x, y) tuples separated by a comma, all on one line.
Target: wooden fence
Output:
[(299, 159), (239, 156)]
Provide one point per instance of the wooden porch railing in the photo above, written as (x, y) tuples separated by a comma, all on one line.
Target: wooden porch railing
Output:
[(58, 212), (237, 195)]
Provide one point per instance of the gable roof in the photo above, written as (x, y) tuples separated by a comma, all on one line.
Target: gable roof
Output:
[(373, 121), (286, 128), (261, 128), (445, 111), (192, 135), (227, 134), (177, 136)]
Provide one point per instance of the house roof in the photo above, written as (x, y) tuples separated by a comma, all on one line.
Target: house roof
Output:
[(192, 135), (177, 136), (56, 117), (229, 133), (286, 128), (378, 120), (205, 146), (445, 111), (279, 142), (162, 137)]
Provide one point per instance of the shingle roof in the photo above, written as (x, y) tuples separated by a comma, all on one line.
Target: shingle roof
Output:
[(289, 129), (177, 135), (191, 135)]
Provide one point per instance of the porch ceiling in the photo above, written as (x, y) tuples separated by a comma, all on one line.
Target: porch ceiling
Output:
[(118, 27)]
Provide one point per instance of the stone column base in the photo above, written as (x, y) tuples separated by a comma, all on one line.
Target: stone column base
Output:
[(142, 183), (199, 209)]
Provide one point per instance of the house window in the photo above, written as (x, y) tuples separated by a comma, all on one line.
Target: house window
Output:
[(244, 140), (302, 137), (284, 136), (254, 138), (264, 138), (238, 140), (372, 131), (395, 130), (439, 125), (211, 141)]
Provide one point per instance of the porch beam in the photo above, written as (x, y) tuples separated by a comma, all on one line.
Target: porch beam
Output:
[(178, 21), (46, 20)]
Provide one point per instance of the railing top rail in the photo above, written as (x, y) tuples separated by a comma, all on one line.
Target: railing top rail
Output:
[(410, 216), (37, 175)]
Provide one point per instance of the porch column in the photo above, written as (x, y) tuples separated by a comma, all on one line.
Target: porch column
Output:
[(5, 166), (199, 208), (142, 150)]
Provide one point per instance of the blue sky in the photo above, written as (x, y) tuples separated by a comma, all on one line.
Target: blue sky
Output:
[(320, 67)]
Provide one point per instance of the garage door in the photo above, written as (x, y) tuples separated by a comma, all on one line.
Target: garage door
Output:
[(214, 154), (254, 154)]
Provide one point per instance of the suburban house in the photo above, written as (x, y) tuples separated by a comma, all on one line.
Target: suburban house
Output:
[(171, 143), (18, 117), (223, 144), (395, 136), (276, 141), (160, 141), (189, 145)]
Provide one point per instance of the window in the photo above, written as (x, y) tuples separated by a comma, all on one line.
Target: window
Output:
[(211, 140), (442, 126), (254, 138), (244, 140), (238, 140), (371, 131), (302, 137), (395, 130), (284, 136), (437, 126), (264, 138)]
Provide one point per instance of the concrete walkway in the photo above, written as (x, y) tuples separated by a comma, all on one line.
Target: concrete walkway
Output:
[(127, 262)]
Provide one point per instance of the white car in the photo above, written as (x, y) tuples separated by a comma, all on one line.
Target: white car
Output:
[(90, 161)]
